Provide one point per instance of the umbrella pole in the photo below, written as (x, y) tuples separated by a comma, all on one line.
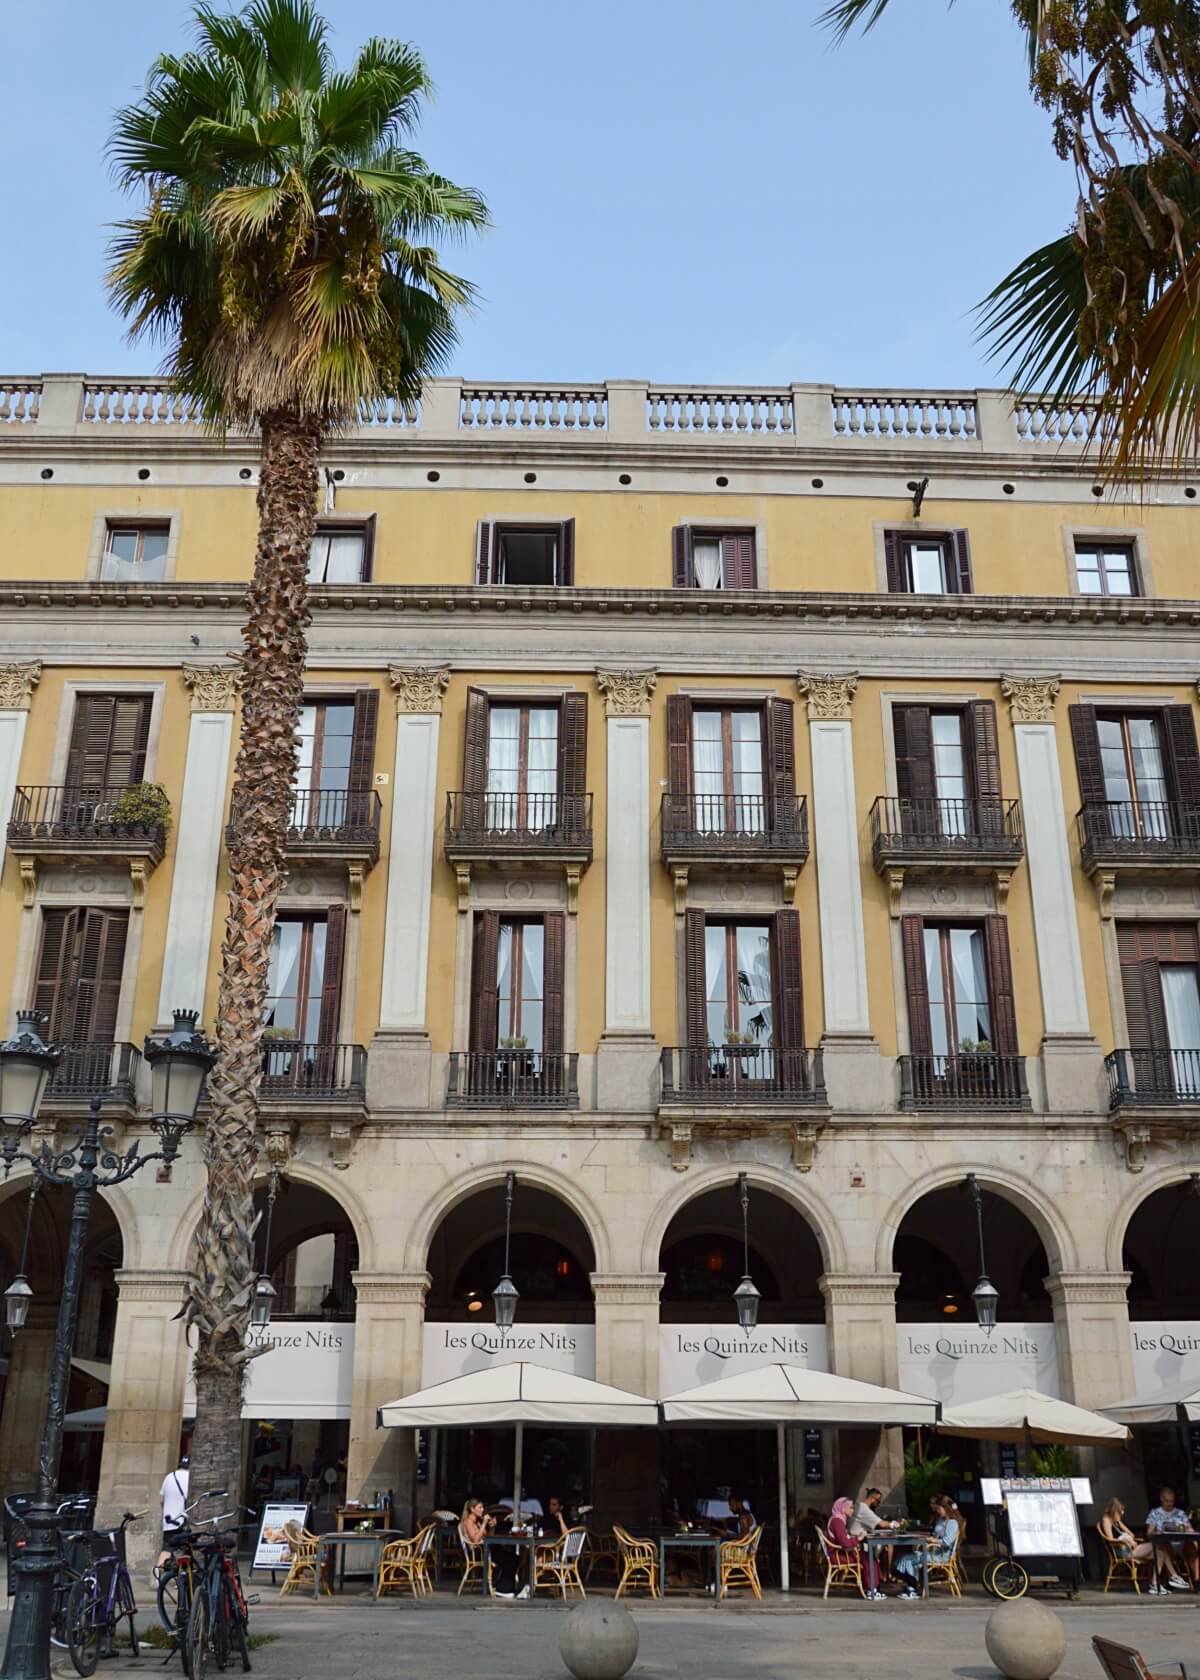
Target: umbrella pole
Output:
[(785, 1584), (518, 1453)]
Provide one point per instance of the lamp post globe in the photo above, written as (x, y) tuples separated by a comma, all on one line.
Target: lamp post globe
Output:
[(17, 1297), (505, 1296), (264, 1300), (746, 1299), (26, 1063), (986, 1298), (179, 1064)]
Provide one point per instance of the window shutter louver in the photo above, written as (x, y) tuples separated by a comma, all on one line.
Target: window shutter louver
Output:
[(1000, 985), (985, 764), (893, 555), (485, 990), (679, 749), (912, 732), (368, 555), (781, 744), (91, 733), (738, 569), (789, 981), (1145, 1011), (60, 930), (572, 759), (566, 553), (695, 979), (958, 563), (681, 557), (96, 976), (331, 981), (554, 952), (130, 738), (1089, 767), (485, 551), (362, 742), (475, 751), (1180, 733), (1164, 941), (916, 985)]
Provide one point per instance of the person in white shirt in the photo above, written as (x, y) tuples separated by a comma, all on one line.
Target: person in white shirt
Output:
[(866, 1520), (172, 1496)]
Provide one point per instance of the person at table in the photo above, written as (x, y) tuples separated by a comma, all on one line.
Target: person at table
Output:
[(849, 1548), (474, 1527), (740, 1521), (1167, 1518), (867, 1521), (1117, 1533), (940, 1549)]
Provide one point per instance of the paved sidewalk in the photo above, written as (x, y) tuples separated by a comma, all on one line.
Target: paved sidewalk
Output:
[(354, 1639)]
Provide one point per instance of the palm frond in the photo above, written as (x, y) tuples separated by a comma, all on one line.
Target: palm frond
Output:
[(1030, 320)]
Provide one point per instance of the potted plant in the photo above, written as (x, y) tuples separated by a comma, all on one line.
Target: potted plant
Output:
[(143, 805), (279, 1044), (975, 1066)]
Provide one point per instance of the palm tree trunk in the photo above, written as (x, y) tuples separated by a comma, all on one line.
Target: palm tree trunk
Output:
[(219, 1300)]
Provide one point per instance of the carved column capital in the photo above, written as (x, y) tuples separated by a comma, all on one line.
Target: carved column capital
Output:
[(214, 688), (1031, 699), (627, 692), (829, 695), (17, 683), (419, 688)]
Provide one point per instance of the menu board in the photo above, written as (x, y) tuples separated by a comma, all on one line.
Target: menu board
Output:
[(1043, 1522), (273, 1551)]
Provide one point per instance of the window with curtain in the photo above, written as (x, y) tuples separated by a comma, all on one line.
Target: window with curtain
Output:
[(738, 990), (325, 736), (520, 979), (135, 554), (1181, 999), (338, 555), (1135, 775), (522, 767), (727, 771), (296, 977), (960, 1018), (949, 771)]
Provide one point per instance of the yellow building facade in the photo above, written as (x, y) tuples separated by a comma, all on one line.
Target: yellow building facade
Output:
[(796, 783)]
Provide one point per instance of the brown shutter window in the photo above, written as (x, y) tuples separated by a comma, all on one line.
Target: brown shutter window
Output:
[(60, 930), (738, 569), (958, 564), (781, 765), (893, 556), (566, 553), (985, 764), (695, 991), (1179, 728), (485, 552), (679, 758), (475, 756), (331, 978), (1000, 986), (554, 950), (110, 734), (572, 762), (95, 976), (362, 750), (912, 732), (789, 981), (916, 985), (1089, 765), (485, 991), (368, 555), (681, 557)]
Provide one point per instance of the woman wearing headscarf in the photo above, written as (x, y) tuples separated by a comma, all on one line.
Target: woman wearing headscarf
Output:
[(849, 1548)]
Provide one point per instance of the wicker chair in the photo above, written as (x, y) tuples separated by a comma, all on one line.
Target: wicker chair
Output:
[(472, 1560), (639, 1563), (404, 1563), (737, 1564), (1122, 1565), (302, 1569), (558, 1565), (842, 1569), (602, 1552), (944, 1573)]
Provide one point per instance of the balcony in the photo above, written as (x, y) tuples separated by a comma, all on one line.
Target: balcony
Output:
[(743, 1074), (1139, 837), (332, 823), (1153, 1078), (125, 825), (313, 1073), (519, 833), (512, 1079), (734, 833), (950, 834), (96, 1070), (972, 1079)]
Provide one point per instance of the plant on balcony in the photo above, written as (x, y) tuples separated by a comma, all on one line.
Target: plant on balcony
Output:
[(518, 1042), (280, 1035), (734, 1037), (285, 254), (144, 805), (974, 1047)]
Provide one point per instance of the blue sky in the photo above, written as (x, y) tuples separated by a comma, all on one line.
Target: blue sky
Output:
[(682, 189)]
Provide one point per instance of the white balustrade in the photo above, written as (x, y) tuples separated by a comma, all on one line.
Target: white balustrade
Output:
[(694, 410), (19, 401), (388, 414), (144, 402), (1055, 423), (930, 415), (539, 408)]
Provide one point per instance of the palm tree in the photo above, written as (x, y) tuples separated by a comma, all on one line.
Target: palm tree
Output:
[(284, 253)]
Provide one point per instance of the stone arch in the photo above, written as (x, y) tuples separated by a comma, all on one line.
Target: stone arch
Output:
[(183, 1244), (424, 1226), (1147, 1185), (1056, 1238), (114, 1198), (782, 1184)]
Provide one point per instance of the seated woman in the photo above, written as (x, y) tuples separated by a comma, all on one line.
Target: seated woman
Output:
[(849, 1548), (941, 1550), (1115, 1530), (474, 1528)]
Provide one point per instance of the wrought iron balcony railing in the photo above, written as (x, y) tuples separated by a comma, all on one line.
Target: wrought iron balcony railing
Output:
[(1133, 831), (96, 1069), (512, 1079), (329, 822), (78, 818), (1152, 1077), (946, 831), (742, 1073), (518, 825), (971, 1079), (298, 1072), (735, 826)]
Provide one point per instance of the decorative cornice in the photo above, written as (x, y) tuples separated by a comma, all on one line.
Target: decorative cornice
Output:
[(875, 1289), (1031, 699), (214, 688), (407, 1289), (829, 696), (627, 693), (17, 683), (419, 688), (1081, 1289), (628, 1289)]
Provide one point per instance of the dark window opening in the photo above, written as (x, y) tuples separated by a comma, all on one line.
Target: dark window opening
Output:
[(527, 557), (714, 559), (927, 563)]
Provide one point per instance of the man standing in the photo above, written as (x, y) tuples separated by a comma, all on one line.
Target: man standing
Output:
[(172, 1496)]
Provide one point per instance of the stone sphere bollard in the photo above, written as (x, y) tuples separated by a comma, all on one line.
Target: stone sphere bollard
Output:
[(599, 1640), (1025, 1640)]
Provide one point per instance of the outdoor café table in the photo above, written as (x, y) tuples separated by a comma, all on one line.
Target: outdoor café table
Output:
[(525, 1541), (710, 1543), (901, 1537), (332, 1550)]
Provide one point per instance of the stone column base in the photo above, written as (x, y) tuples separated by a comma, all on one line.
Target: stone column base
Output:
[(400, 1070), (1073, 1072), (857, 1075), (627, 1072)]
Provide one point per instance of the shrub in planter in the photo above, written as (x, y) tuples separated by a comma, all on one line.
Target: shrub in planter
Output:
[(144, 805)]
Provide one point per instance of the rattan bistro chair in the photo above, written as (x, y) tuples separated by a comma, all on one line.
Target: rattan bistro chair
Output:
[(738, 1564), (842, 1569), (404, 1563), (472, 1560), (639, 1563), (945, 1572), (302, 1568), (558, 1565), (1122, 1565)]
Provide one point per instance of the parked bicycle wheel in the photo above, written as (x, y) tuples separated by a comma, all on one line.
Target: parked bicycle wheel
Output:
[(1010, 1578), (171, 1591), (83, 1627), (237, 1617), (126, 1609), (195, 1659), (219, 1631)]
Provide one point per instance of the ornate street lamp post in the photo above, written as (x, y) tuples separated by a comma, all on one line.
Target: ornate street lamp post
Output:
[(506, 1295), (179, 1063), (264, 1290), (745, 1297), (985, 1294)]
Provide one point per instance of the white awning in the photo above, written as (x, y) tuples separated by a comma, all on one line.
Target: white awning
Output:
[(1178, 1403), (517, 1393), (97, 1369), (87, 1422), (1025, 1416), (792, 1394)]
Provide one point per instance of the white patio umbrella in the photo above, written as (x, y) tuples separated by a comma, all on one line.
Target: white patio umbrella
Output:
[(1177, 1403), (86, 1422), (1032, 1419), (783, 1394), (519, 1393)]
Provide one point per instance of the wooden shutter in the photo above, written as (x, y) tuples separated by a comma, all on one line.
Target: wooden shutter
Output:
[(1179, 730), (695, 980), (985, 764), (679, 758), (912, 732), (109, 737), (958, 564), (893, 555), (368, 553), (1089, 765), (681, 557), (485, 552), (554, 951), (737, 560), (96, 976), (331, 979), (362, 741), (1164, 941), (920, 1033), (789, 981), (475, 752), (781, 764), (572, 756), (1000, 985), (566, 553), (60, 931), (1145, 1010), (485, 990)]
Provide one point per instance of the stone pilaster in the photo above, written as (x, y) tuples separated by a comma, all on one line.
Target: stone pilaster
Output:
[(1091, 1330), (860, 1317), (388, 1324), (627, 1329)]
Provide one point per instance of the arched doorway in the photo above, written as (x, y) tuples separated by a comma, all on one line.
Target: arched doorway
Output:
[(25, 1355), (1164, 1313), (551, 1259), (702, 1259)]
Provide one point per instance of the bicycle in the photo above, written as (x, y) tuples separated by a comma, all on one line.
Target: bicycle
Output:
[(200, 1598), (66, 1572), (94, 1605)]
